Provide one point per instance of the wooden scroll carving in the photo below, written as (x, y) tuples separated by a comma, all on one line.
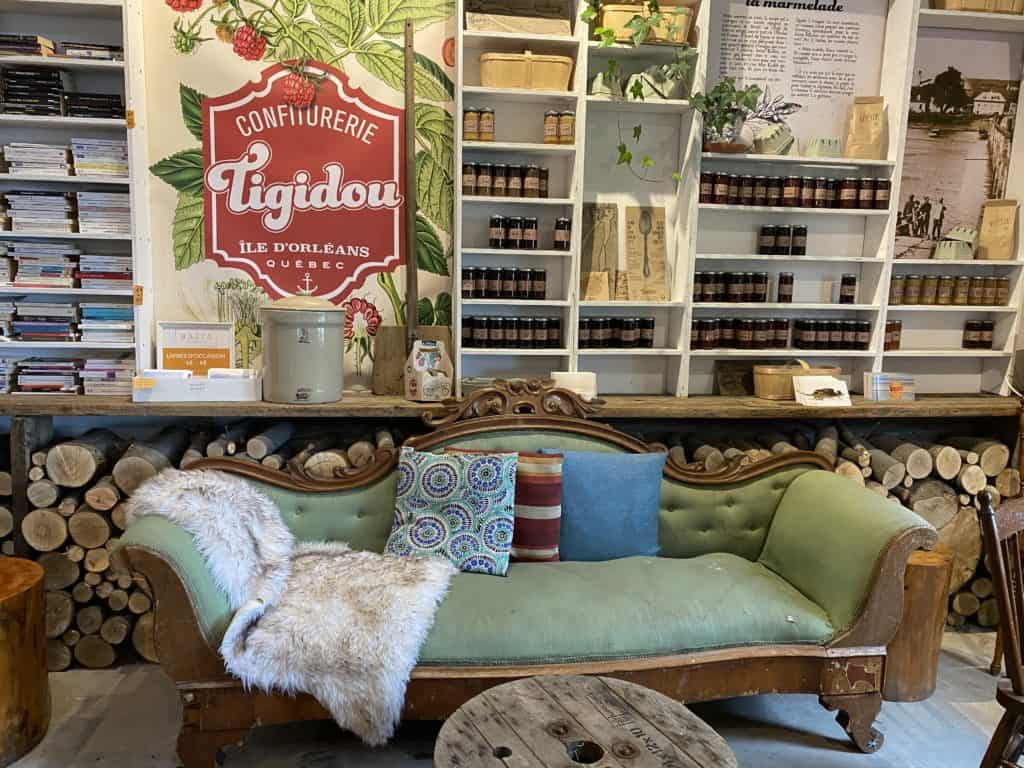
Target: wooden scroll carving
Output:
[(518, 397)]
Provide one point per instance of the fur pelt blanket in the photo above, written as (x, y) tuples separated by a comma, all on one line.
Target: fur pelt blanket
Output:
[(312, 617)]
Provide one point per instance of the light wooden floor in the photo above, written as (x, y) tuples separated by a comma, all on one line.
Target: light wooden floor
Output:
[(128, 719)]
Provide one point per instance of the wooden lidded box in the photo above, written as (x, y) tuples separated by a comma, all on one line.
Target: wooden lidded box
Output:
[(775, 382)]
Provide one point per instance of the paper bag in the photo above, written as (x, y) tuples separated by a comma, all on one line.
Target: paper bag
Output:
[(867, 129), (997, 240)]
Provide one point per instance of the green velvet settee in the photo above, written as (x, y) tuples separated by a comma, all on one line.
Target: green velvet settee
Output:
[(773, 577)]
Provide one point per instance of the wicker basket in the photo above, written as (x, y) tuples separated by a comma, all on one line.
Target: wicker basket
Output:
[(775, 382), (617, 15), (948, 5), (527, 70)]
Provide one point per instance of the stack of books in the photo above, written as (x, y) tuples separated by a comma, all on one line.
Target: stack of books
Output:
[(109, 106), (107, 323), (6, 268), (38, 211), (32, 91), (76, 50), (104, 213), (47, 377), (25, 45), (44, 265), (6, 318), (100, 157), (6, 375), (23, 158), (44, 321), (106, 376), (105, 272)]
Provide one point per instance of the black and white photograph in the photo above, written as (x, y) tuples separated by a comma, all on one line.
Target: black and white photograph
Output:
[(961, 118)]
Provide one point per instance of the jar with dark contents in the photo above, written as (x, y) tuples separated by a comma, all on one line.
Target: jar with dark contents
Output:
[(760, 287), (707, 187), (496, 232), (791, 192), (720, 191), (512, 332), (479, 283), (468, 284), (531, 181), (745, 333), (524, 279), (555, 332), (766, 241), (883, 189), (469, 178), (946, 287), (513, 231), (821, 192), (896, 287), (912, 290), (784, 294), (763, 334), (849, 193), (807, 192), (467, 332), (988, 328), (746, 190), (493, 283), (499, 180), (604, 332), (480, 333), (783, 240), (895, 333), (972, 334), (760, 190), (708, 287), (727, 332), (695, 334), (698, 286), (774, 198), (734, 189), (540, 332), (484, 179), (563, 234), (487, 124), (496, 332), (538, 283), (835, 334), (848, 289), (832, 193), (806, 334), (529, 237), (780, 332), (799, 242), (629, 333), (543, 183), (508, 283), (735, 288), (514, 181), (718, 286), (866, 193), (526, 333), (976, 296), (849, 334), (863, 334), (583, 331), (962, 291)]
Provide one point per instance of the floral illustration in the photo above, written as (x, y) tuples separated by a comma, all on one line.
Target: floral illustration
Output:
[(361, 323)]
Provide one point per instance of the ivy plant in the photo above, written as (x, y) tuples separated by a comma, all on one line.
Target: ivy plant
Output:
[(723, 104)]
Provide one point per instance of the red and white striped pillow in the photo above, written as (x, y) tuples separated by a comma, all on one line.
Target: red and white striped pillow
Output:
[(538, 506)]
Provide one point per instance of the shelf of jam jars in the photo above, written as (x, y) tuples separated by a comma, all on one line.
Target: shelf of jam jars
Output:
[(948, 308), (958, 263), (631, 352), (491, 200), (787, 352), (772, 257), (490, 352), (796, 160), (514, 252), (967, 353), (520, 147), (515, 302), (794, 210), (780, 306)]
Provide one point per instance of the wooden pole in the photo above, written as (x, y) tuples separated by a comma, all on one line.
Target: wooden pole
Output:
[(412, 286)]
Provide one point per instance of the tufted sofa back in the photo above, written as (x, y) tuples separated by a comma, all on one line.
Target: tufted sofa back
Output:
[(694, 520)]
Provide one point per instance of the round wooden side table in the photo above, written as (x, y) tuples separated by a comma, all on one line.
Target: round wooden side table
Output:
[(540, 722), (24, 688)]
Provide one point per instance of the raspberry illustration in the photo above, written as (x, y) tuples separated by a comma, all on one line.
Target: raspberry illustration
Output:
[(249, 44), (184, 6), (298, 90)]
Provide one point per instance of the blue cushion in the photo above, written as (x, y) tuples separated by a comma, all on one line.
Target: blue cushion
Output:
[(610, 504), (457, 506)]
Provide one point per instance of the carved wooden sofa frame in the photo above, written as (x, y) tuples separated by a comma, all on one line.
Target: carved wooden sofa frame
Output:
[(847, 674)]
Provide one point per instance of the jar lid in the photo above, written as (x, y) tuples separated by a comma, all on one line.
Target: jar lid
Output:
[(301, 301)]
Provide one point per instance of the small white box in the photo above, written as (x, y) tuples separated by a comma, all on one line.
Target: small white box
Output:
[(198, 389)]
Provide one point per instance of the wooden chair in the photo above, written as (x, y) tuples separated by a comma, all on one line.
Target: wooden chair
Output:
[(1003, 529)]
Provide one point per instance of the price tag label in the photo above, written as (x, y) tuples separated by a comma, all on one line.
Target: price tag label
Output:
[(141, 382), (137, 295)]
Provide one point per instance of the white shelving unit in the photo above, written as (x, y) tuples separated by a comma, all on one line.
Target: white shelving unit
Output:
[(709, 237), (114, 22)]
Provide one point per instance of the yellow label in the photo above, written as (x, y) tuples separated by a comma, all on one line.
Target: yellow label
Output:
[(140, 382), (129, 118), (137, 293), (199, 360)]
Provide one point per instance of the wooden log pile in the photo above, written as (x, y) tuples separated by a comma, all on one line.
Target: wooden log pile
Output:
[(939, 479), (96, 610), (6, 513)]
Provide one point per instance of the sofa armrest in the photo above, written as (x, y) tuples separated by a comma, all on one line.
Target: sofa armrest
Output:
[(846, 548), (191, 611)]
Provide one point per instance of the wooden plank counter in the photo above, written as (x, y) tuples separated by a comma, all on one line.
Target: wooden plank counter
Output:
[(617, 407)]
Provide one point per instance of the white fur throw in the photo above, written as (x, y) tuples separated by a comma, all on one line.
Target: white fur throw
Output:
[(311, 617)]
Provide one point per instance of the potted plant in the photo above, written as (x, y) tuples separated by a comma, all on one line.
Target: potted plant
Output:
[(725, 108)]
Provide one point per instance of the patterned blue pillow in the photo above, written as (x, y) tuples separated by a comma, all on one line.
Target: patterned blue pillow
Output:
[(459, 506)]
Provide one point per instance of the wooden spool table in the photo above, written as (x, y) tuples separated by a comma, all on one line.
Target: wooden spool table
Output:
[(24, 689), (544, 722)]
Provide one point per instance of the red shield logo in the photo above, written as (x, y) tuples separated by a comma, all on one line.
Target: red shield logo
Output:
[(304, 199)]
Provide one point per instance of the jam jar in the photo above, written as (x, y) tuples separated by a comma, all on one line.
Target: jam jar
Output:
[(484, 179), (849, 193), (866, 193), (766, 241), (513, 231), (563, 234), (487, 124), (896, 287), (469, 284), (531, 181), (471, 124), (496, 232), (791, 192), (883, 188), (707, 187), (529, 237), (784, 293), (543, 183), (807, 190), (848, 289), (514, 181), (929, 290), (499, 180), (798, 245), (469, 178), (551, 126)]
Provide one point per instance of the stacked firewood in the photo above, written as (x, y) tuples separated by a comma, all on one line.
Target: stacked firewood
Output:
[(6, 516), (77, 493), (939, 479)]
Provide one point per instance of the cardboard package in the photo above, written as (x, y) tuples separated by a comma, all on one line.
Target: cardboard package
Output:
[(428, 372), (997, 240)]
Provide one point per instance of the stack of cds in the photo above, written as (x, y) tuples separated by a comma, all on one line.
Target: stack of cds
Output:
[(106, 376), (100, 157), (47, 377), (103, 272), (23, 158), (38, 211), (44, 321), (91, 51), (104, 213), (32, 91), (42, 264), (109, 106), (25, 45), (107, 323)]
